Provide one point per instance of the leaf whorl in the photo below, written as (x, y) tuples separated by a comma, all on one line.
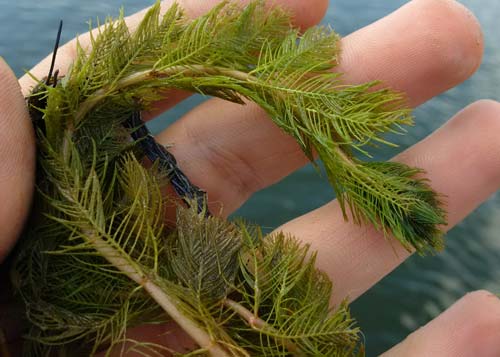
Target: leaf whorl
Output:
[(98, 257)]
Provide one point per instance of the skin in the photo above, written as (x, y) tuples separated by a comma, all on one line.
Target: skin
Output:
[(215, 145)]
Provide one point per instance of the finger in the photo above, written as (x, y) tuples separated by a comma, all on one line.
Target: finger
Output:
[(232, 151), (469, 328), (423, 49), (304, 13), (462, 160), (17, 167)]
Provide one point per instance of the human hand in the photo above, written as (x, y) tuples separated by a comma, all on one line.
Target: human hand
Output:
[(216, 147)]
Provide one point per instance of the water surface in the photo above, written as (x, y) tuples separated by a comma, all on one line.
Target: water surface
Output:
[(419, 289)]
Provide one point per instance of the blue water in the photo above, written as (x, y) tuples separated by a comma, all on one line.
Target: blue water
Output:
[(418, 290)]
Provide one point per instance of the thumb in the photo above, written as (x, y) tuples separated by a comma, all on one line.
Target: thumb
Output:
[(17, 159)]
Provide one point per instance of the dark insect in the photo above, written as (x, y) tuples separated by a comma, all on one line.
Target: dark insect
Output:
[(37, 102), (156, 152)]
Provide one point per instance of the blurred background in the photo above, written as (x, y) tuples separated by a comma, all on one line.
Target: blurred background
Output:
[(420, 288)]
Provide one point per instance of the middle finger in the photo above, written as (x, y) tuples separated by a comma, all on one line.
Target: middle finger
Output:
[(232, 151)]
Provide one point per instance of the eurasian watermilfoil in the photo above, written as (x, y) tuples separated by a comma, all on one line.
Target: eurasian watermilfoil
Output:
[(97, 257)]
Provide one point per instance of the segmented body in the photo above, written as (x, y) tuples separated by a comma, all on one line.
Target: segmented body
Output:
[(156, 152)]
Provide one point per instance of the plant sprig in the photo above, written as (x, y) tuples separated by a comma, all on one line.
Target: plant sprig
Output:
[(98, 258)]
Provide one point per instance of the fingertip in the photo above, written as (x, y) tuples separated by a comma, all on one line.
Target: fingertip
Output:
[(481, 310), (423, 48), (468, 328), (486, 299), (484, 109), (482, 116), (484, 121), (307, 13), (463, 50)]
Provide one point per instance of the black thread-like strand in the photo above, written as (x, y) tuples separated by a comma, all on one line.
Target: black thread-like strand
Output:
[(54, 54), (37, 101), (156, 152)]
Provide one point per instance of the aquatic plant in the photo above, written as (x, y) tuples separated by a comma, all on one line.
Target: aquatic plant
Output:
[(98, 256)]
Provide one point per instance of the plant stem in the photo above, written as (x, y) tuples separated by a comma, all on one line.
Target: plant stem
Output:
[(260, 325), (138, 77), (135, 273)]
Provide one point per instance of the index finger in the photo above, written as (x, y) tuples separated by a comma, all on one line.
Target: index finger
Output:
[(304, 14)]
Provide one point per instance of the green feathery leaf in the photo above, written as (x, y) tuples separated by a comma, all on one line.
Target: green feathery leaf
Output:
[(98, 256)]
